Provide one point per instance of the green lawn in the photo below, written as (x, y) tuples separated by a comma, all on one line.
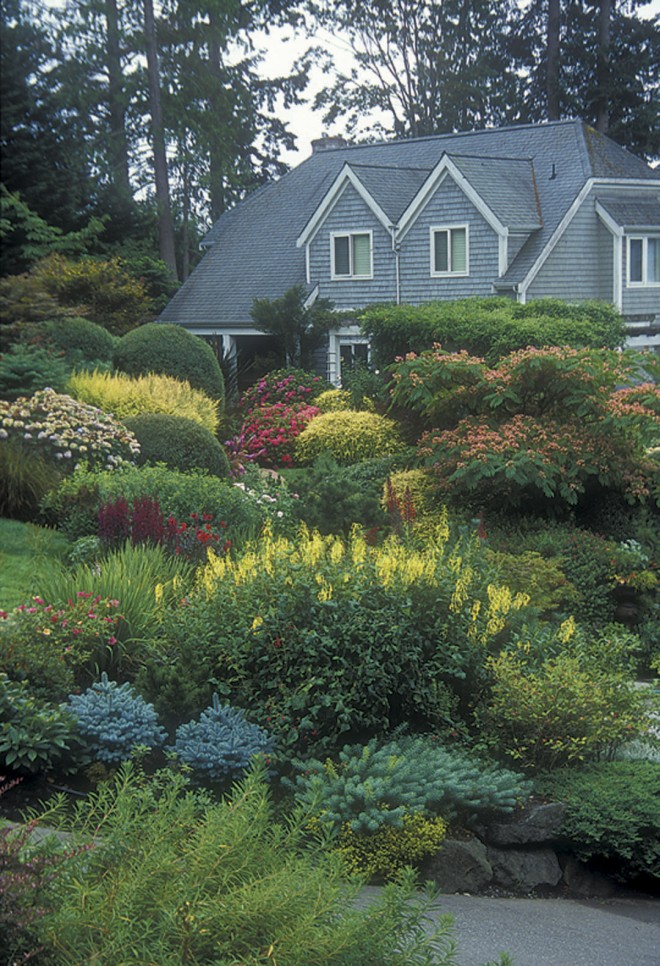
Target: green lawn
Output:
[(25, 550)]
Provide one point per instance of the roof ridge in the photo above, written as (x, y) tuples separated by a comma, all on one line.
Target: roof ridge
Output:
[(489, 157), (455, 134)]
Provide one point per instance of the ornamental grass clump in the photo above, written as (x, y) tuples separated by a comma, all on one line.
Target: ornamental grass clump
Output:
[(348, 436), (221, 745), (112, 720), (66, 432), (126, 396)]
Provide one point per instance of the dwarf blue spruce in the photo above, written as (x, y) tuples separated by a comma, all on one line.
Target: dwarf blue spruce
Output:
[(112, 719), (221, 744)]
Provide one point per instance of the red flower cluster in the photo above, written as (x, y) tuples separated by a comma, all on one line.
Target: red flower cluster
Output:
[(269, 433), (144, 522)]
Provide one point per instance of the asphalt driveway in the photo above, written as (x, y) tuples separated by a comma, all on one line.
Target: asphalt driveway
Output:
[(554, 932)]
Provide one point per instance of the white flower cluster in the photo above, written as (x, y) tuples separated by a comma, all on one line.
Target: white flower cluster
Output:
[(63, 429)]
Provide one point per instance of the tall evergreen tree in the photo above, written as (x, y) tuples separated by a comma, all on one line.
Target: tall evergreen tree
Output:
[(42, 147), (430, 66)]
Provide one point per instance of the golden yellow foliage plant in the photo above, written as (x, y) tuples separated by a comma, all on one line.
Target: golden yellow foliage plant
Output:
[(127, 396), (348, 436), (387, 851)]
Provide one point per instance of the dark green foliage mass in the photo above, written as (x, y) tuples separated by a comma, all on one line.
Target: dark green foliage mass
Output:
[(24, 369), (180, 443), (81, 340), (172, 351), (489, 327), (612, 814)]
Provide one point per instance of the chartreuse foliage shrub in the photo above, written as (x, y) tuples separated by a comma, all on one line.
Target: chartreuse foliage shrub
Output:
[(541, 428), (178, 442), (112, 720), (328, 640), (176, 878), (333, 400), (348, 437), (221, 744), (390, 849), (34, 736), (612, 814), (66, 432), (490, 327), (170, 350), (127, 396), (562, 710)]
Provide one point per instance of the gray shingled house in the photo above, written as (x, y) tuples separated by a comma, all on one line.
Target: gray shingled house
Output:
[(553, 209)]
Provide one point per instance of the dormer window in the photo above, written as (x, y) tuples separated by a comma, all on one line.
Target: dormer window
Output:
[(644, 260), (352, 255), (449, 250)]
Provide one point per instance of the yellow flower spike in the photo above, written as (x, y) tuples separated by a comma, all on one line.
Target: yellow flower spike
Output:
[(566, 630), (257, 623), (336, 551), (158, 594)]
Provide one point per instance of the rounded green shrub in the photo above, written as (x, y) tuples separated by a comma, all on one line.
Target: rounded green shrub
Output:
[(178, 442), (349, 437), (80, 338), (172, 351)]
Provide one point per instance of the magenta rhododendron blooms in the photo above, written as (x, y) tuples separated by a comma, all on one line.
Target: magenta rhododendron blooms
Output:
[(268, 434)]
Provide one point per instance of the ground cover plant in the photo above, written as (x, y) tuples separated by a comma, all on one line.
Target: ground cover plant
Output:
[(25, 549)]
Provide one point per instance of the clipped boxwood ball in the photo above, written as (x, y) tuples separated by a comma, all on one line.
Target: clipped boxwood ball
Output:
[(178, 442), (348, 436), (73, 334), (171, 351)]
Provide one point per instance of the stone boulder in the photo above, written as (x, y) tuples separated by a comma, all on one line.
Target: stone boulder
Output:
[(521, 870), (533, 825), (461, 865)]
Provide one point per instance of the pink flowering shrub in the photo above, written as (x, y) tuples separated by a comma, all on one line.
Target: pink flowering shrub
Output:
[(289, 386), (55, 647), (543, 425), (268, 434)]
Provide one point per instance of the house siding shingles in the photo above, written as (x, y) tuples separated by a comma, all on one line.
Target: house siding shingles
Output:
[(580, 265), (638, 300), (448, 206), (351, 214)]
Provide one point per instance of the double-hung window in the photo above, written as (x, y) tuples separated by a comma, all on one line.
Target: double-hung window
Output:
[(644, 260), (352, 255), (449, 250)]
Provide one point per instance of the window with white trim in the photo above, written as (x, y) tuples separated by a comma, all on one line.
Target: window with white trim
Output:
[(352, 255), (644, 260), (449, 250)]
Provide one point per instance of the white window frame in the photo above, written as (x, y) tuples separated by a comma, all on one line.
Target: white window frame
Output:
[(449, 228), (350, 235), (644, 281)]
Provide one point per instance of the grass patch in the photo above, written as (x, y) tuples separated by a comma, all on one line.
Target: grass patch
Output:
[(28, 551)]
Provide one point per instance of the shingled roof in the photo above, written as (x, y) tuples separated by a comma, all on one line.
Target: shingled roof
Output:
[(529, 175)]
